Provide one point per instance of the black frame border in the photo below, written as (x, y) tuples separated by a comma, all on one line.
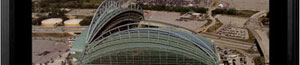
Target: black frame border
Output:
[(16, 32), (287, 41), (293, 32), (5, 28)]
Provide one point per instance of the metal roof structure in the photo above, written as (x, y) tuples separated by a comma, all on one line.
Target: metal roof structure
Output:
[(120, 36)]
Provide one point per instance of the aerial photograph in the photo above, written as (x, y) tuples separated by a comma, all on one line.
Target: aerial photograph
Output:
[(150, 32)]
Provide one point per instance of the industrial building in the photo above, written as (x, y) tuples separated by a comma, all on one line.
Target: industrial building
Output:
[(120, 36)]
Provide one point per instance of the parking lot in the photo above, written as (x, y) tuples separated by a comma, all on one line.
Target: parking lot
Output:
[(239, 33), (170, 17), (232, 27), (44, 50)]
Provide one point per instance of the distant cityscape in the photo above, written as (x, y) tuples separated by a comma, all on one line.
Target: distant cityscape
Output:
[(206, 32)]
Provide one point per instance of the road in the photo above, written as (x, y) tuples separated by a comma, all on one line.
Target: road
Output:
[(256, 29), (263, 43), (58, 29), (225, 39), (231, 45), (209, 12)]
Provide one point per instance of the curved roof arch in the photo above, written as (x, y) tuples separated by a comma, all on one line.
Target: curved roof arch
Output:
[(106, 17), (145, 47), (115, 29), (154, 36), (107, 10)]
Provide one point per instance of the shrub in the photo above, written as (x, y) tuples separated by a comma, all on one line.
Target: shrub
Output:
[(232, 11), (173, 8), (86, 21), (225, 11)]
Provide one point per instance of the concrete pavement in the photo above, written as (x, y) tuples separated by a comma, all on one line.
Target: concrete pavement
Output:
[(58, 29), (225, 39), (264, 43), (262, 38)]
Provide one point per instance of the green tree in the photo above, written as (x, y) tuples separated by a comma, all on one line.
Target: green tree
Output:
[(86, 21), (218, 11), (232, 11)]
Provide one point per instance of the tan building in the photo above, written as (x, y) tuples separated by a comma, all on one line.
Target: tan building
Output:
[(52, 21), (73, 22)]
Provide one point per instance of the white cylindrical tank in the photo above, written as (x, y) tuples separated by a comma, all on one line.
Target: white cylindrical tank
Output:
[(52, 21), (73, 22)]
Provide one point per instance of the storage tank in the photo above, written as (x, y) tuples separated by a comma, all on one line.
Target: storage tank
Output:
[(73, 22), (52, 21)]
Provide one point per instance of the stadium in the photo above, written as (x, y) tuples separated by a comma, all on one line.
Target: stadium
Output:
[(119, 35)]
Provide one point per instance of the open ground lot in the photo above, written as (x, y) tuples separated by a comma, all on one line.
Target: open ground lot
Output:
[(170, 17), (232, 21), (40, 46), (257, 5)]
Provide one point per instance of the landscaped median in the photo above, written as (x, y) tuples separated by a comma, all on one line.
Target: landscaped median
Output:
[(232, 11), (215, 27), (174, 8)]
